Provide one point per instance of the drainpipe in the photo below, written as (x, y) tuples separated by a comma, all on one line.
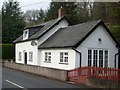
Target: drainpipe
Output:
[(118, 59), (79, 54)]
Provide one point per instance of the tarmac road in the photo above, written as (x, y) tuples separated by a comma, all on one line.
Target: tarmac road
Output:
[(18, 79)]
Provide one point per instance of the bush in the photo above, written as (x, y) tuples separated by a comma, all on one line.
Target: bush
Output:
[(115, 30), (7, 51)]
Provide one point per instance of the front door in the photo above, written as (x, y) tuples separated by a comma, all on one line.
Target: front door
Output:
[(25, 57)]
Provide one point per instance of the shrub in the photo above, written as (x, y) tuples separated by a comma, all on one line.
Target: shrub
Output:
[(7, 51), (115, 30)]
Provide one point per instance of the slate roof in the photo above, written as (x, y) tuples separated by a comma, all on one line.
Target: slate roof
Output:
[(71, 36), (39, 30)]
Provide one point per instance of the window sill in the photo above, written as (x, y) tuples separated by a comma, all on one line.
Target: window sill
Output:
[(63, 63), (47, 62), (30, 60), (19, 59)]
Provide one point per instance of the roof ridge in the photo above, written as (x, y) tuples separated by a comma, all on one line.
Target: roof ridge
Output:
[(99, 20), (42, 24)]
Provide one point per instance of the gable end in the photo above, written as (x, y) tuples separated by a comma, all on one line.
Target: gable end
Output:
[(93, 29)]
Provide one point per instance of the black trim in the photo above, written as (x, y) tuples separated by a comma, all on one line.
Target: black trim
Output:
[(56, 23), (93, 29), (117, 54), (33, 27), (77, 44), (56, 47)]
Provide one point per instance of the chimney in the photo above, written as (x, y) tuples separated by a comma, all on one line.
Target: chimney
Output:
[(61, 12)]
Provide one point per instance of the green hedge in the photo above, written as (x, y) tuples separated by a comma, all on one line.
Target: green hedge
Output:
[(7, 51)]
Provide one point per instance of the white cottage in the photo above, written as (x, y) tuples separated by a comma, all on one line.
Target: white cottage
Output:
[(55, 44)]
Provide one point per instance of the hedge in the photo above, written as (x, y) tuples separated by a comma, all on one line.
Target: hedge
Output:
[(7, 51)]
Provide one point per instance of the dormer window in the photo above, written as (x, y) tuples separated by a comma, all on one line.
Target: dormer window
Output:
[(25, 34)]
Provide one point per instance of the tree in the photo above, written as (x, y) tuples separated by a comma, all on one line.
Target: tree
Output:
[(12, 21), (109, 12), (69, 8), (34, 16), (0, 28), (99, 11), (84, 11)]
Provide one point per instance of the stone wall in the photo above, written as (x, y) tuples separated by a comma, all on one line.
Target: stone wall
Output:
[(43, 71)]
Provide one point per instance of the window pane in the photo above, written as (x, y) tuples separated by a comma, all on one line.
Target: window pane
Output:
[(49, 58), (95, 57), (66, 53), (106, 58), (66, 59), (20, 56), (89, 57), (49, 53), (100, 58)]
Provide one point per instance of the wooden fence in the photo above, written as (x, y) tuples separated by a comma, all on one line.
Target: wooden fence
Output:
[(96, 72)]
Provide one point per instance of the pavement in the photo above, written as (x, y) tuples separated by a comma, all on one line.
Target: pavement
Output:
[(21, 80)]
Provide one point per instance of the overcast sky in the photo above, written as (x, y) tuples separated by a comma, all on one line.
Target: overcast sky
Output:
[(44, 4), (31, 4)]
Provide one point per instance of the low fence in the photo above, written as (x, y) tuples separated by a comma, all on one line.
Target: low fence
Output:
[(95, 72), (43, 71)]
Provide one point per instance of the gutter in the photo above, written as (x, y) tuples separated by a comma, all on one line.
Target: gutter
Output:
[(118, 59)]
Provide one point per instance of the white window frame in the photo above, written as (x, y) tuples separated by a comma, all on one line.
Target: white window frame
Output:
[(47, 57), (64, 58), (31, 56), (19, 56), (25, 34), (104, 60)]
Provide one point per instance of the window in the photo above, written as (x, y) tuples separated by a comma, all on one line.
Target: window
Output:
[(89, 57), (47, 57), (106, 58), (98, 57), (31, 56), (25, 34), (20, 56), (63, 57)]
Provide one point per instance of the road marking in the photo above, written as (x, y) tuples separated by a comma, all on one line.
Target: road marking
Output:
[(16, 84)]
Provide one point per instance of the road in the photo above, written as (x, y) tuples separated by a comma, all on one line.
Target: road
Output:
[(18, 79)]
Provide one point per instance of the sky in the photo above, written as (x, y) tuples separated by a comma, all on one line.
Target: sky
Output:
[(31, 4), (38, 4)]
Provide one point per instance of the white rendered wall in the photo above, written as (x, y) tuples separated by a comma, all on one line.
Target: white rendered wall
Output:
[(61, 24), (55, 59), (26, 47), (92, 43)]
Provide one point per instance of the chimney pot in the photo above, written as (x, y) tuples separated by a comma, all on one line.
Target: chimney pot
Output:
[(61, 12)]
